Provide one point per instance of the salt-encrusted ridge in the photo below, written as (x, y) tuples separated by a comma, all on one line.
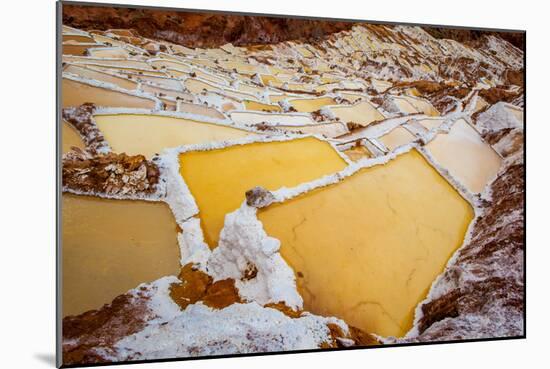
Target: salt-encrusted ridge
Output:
[(202, 331)]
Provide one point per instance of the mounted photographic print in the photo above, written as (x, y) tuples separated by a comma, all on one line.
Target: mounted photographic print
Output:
[(235, 184)]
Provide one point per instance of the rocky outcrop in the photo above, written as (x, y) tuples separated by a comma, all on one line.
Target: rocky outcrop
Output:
[(109, 174)]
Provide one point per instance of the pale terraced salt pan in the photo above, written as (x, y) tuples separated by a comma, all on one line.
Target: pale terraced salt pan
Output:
[(163, 92), (250, 89), (254, 105), (353, 98), (367, 249), (423, 106), (101, 76), (107, 40), (162, 82), (238, 94), (411, 105), (128, 70), (293, 86), (430, 124), (466, 156), (241, 67), (396, 137), (76, 93), (268, 78), (177, 74), (211, 77), (276, 98), (115, 63), (149, 134), (380, 86), (111, 246), (80, 38), (159, 63), (310, 105), (218, 179), (202, 63), (244, 117), (363, 113), (199, 110), (404, 106), (197, 86), (109, 52), (326, 87), (328, 130)]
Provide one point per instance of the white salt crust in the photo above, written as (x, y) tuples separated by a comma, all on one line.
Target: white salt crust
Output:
[(202, 331)]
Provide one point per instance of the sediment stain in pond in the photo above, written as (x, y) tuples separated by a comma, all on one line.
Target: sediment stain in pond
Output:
[(219, 179), (368, 248), (111, 246)]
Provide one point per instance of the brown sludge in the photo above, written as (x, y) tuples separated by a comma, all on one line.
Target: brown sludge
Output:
[(198, 286)]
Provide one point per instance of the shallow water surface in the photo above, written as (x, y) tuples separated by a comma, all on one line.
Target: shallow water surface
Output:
[(150, 134), (218, 179), (368, 248), (111, 246)]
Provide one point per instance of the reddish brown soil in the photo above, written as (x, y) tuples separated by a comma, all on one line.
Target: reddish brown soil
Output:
[(198, 286), (474, 37), (84, 333), (285, 309), (496, 94), (193, 29)]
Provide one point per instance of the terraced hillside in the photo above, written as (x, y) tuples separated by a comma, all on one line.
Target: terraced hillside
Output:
[(363, 187)]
